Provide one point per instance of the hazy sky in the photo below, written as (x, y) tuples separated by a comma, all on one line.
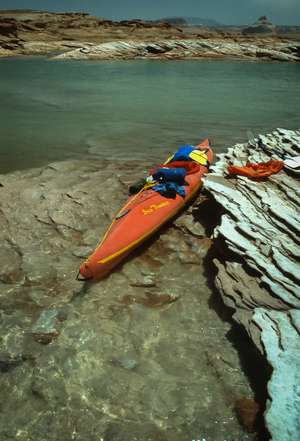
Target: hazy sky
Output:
[(225, 11)]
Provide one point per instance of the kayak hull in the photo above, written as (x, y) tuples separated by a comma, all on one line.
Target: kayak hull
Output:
[(142, 215)]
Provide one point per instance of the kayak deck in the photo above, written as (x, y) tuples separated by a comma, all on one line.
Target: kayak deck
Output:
[(141, 216)]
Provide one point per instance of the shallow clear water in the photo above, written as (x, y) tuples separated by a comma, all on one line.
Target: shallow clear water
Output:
[(52, 110), (117, 367)]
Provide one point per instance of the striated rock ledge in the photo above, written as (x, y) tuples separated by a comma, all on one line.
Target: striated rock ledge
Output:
[(188, 48), (258, 270)]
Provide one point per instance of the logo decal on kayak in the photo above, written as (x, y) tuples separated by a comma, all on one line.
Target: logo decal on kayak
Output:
[(154, 207)]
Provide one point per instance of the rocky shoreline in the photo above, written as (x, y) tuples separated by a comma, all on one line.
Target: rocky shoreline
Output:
[(80, 36), (88, 360), (258, 266), (185, 49), (119, 359)]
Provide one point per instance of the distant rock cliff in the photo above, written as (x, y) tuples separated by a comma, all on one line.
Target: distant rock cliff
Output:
[(37, 33), (48, 31)]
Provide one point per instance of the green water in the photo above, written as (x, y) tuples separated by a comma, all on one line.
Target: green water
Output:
[(53, 110)]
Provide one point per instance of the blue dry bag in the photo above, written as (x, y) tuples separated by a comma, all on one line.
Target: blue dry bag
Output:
[(170, 175)]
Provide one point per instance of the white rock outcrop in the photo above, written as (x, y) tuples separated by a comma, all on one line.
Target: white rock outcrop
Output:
[(258, 268), (193, 48)]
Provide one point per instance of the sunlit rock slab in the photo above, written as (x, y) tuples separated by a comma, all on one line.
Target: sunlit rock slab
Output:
[(280, 336)]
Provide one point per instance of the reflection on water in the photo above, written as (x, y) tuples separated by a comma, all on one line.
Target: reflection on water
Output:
[(51, 110)]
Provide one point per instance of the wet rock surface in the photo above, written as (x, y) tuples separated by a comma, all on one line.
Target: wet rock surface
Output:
[(119, 359), (258, 266)]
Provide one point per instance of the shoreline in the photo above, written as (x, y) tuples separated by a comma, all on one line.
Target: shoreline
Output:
[(168, 50), (102, 348), (83, 36), (183, 49), (51, 56), (63, 203)]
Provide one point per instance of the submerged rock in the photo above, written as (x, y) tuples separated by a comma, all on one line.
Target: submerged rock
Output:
[(87, 365), (258, 266), (8, 362), (125, 361), (45, 329), (151, 300)]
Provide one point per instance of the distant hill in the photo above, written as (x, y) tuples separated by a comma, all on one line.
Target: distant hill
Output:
[(202, 21), (191, 21), (261, 26)]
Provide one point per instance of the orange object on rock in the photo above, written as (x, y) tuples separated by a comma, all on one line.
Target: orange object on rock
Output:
[(142, 215), (256, 171)]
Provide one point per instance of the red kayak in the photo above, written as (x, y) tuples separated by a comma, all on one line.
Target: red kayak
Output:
[(143, 214)]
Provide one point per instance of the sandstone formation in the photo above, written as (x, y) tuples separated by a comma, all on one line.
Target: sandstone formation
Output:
[(262, 26), (140, 355), (258, 266), (34, 32), (39, 33), (178, 49)]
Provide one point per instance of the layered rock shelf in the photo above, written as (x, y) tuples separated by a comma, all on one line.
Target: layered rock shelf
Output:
[(81, 36), (258, 270), (189, 48)]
